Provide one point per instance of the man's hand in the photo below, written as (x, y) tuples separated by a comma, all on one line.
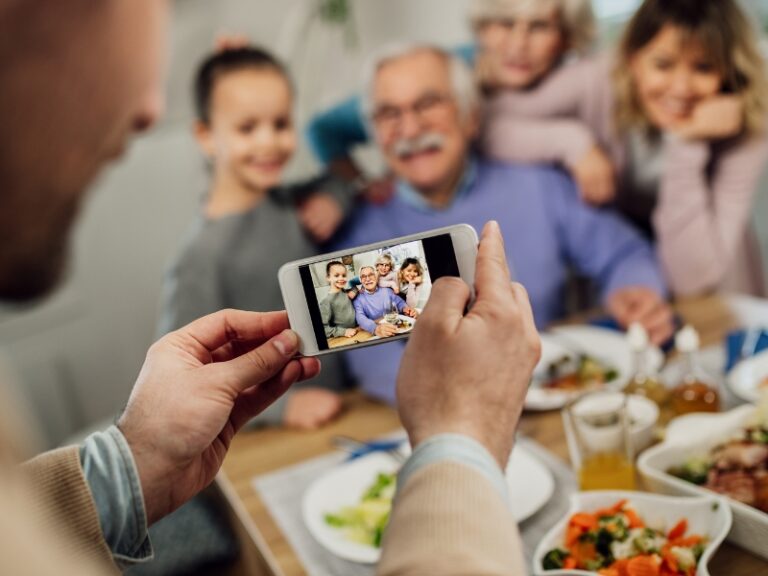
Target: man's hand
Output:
[(349, 332), (645, 306), (595, 177), (408, 311), (321, 216), (469, 374), (715, 118), (352, 294), (198, 386), (379, 191), (310, 408), (385, 330)]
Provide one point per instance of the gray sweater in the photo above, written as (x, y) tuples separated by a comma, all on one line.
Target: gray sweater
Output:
[(232, 262), (337, 313)]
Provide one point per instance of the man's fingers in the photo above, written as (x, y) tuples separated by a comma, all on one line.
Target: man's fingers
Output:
[(217, 329), (447, 301), (492, 270), (256, 399), (259, 364)]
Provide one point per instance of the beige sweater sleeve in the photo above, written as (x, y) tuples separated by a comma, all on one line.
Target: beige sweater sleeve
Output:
[(62, 504), (450, 520)]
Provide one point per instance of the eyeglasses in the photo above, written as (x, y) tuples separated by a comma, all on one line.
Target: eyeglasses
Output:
[(426, 109), (367, 276)]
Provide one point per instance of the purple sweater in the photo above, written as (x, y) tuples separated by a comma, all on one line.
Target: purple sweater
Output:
[(370, 306), (546, 228)]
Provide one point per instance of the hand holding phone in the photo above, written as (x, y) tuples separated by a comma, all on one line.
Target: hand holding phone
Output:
[(362, 296)]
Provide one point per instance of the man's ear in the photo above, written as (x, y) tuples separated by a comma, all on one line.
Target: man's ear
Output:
[(204, 137)]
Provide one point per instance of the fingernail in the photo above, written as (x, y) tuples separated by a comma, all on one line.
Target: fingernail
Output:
[(286, 342)]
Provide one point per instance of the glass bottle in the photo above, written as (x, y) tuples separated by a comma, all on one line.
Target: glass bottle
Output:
[(645, 381), (694, 393)]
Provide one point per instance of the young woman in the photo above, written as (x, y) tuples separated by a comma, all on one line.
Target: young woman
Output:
[(680, 111)]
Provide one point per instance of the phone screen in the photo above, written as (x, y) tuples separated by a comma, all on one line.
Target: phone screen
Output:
[(375, 294)]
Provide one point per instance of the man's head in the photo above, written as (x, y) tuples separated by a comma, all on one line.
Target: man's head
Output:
[(369, 278), (423, 106), (77, 78)]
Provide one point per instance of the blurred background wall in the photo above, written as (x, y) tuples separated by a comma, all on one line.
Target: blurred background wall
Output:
[(75, 357)]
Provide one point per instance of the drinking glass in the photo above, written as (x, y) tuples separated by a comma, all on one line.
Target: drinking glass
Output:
[(597, 429)]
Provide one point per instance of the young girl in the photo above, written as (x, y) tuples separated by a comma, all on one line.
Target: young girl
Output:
[(336, 309), (385, 267), (412, 284), (681, 112), (251, 223)]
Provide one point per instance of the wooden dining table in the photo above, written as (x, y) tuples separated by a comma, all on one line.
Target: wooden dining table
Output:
[(258, 452)]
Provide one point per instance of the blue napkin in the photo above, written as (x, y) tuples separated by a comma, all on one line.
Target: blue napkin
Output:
[(741, 344)]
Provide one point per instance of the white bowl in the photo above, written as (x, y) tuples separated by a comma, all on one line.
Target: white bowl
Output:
[(707, 515), (643, 414), (696, 434)]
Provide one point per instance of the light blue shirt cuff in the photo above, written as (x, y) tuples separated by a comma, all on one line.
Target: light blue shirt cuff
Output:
[(455, 448), (111, 474)]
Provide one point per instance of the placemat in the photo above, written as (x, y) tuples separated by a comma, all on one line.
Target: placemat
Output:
[(282, 492)]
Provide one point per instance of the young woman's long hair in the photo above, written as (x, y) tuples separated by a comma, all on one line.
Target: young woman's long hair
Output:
[(725, 33)]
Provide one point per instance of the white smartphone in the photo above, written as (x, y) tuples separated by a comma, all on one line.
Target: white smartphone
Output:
[(372, 294)]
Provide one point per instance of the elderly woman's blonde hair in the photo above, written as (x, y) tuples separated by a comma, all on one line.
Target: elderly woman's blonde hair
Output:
[(726, 35), (576, 15)]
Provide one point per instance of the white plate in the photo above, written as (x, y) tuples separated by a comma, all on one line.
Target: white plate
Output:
[(530, 487), (608, 346), (696, 434), (704, 515), (746, 376)]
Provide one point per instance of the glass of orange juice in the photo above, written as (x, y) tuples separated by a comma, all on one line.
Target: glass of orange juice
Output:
[(597, 430)]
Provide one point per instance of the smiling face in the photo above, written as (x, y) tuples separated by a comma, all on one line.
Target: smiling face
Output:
[(520, 51), (419, 128), (411, 272), (383, 268), (369, 278), (671, 75), (337, 277), (251, 136)]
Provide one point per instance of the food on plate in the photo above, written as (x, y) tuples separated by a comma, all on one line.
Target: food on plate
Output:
[(615, 541), (738, 468), (581, 373), (365, 522), (763, 383)]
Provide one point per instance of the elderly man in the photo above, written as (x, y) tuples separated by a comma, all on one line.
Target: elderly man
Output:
[(423, 107), (76, 78), (374, 301)]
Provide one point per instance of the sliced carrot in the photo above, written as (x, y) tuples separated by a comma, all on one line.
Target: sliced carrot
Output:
[(569, 562), (634, 519), (621, 566), (643, 566), (583, 552), (584, 520), (608, 572), (687, 541), (679, 530), (615, 509), (572, 535)]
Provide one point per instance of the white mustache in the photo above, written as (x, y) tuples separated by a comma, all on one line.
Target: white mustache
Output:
[(408, 146)]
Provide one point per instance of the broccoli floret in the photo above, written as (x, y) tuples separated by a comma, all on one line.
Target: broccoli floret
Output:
[(555, 559)]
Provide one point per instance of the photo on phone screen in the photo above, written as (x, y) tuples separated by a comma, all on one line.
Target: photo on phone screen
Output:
[(376, 294)]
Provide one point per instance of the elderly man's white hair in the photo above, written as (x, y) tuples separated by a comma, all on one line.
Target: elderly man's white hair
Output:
[(360, 270), (462, 80)]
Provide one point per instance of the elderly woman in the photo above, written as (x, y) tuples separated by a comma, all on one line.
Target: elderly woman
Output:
[(521, 45), (680, 109)]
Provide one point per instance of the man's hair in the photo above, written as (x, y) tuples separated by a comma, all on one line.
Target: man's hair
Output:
[(360, 272), (462, 80), (225, 61), (331, 264), (578, 20)]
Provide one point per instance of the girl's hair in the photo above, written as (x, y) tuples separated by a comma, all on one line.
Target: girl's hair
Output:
[(225, 61), (411, 262), (331, 264), (723, 31), (576, 15), (385, 259)]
